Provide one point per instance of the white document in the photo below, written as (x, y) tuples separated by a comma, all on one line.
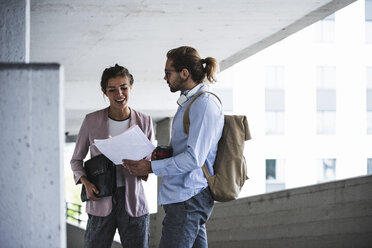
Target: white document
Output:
[(131, 144)]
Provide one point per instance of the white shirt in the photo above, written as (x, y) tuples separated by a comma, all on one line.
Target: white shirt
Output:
[(115, 128)]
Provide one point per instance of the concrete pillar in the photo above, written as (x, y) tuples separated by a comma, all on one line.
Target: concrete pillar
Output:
[(163, 131), (15, 31), (163, 135), (31, 152), (31, 130), (156, 223)]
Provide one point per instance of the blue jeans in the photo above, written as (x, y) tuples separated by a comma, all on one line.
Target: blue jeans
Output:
[(184, 222), (133, 231)]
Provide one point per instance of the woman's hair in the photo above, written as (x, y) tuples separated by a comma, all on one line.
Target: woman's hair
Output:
[(113, 72), (187, 57)]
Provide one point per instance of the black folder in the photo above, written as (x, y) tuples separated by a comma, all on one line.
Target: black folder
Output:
[(102, 173)]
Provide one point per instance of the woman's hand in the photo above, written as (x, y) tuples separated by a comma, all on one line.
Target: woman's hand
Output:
[(90, 188)]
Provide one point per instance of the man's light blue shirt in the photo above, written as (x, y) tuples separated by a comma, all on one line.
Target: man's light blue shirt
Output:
[(182, 175)]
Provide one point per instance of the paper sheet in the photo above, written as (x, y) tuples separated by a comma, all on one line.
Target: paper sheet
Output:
[(131, 144)]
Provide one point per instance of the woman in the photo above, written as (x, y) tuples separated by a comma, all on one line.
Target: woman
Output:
[(127, 210)]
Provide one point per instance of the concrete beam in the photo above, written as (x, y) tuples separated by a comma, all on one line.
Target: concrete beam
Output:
[(15, 31), (307, 20)]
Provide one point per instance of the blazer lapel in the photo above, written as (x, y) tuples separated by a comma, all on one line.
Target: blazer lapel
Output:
[(133, 120), (100, 130), (105, 123)]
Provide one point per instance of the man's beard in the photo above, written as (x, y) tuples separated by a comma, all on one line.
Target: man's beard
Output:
[(175, 86)]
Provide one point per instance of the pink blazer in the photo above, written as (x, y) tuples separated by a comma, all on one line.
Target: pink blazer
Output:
[(95, 126)]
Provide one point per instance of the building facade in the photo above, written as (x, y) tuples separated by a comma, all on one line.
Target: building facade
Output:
[(308, 99)]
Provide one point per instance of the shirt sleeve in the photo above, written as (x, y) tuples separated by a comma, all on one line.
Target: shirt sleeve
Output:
[(80, 152), (206, 123)]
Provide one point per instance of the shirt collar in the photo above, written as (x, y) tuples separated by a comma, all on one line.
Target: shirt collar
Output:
[(187, 94)]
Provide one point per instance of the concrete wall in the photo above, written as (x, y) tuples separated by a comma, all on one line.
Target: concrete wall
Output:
[(336, 214), (31, 152), (75, 237)]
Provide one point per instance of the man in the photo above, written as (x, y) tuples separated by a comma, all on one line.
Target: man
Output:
[(184, 191)]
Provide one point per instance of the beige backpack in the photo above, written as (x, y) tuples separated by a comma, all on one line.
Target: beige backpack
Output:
[(230, 169)]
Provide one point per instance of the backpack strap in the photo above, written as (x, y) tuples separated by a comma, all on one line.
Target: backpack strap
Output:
[(186, 116), (186, 123)]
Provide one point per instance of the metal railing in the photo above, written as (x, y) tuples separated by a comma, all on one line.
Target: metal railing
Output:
[(73, 212)]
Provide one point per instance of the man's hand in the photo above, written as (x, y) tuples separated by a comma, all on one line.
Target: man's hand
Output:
[(138, 168), (153, 155)]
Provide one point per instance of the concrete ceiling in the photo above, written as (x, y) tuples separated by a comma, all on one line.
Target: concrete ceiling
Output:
[(86, 36)]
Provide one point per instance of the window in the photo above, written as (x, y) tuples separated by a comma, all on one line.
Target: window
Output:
[(326, 122), (326, 100), (369, 99), (274, 106), (368, 32), (326, 30), (368, 10), (327, 170), (369, 122), (274, 99), (368, 23), (274, 122), (275, 171), (369, 166), (274, 77), (270, 169), (326, 77)]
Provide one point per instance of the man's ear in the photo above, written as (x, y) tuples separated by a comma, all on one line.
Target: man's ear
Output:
[(185, 73), (103, 91)]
